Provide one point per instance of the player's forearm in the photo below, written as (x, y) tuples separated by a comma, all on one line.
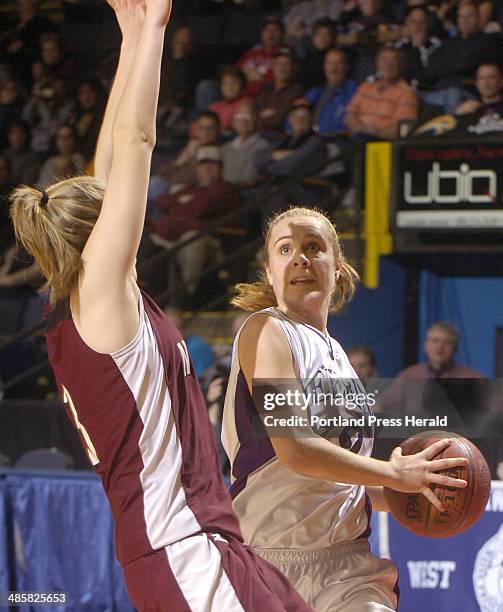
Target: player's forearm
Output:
[(136, 112), (103, 155), (319, 458)]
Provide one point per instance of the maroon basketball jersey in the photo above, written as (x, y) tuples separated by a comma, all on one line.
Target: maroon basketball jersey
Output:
[(144, 424)]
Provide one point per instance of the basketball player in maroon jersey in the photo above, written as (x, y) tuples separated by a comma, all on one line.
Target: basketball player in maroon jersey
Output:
[(123, 369)]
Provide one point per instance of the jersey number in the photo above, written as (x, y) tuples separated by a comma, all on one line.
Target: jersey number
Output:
[(91, 451)]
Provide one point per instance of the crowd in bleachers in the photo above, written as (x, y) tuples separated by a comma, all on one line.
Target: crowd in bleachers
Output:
[(240, 125)]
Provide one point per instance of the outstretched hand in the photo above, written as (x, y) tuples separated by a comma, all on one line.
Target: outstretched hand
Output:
[(130, 15), (416, 473)]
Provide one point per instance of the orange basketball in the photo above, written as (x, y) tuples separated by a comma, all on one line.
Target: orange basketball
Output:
[(462, 507)]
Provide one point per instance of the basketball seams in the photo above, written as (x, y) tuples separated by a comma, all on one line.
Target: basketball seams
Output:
[(469, 490), (429, 506), (415, 512)]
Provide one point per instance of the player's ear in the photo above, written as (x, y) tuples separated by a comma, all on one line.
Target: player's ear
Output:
[(268, 273)]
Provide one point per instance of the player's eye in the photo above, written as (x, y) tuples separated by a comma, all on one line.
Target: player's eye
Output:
[(285, 249), (313, 247)]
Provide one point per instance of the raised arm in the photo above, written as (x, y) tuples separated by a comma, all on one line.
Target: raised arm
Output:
[(130, 17), (264, 353), (108, 297)]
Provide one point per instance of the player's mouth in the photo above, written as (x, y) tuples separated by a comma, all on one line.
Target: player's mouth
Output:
[(302, 281)]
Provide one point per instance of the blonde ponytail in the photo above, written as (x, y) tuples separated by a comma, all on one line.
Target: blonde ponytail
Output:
[(54, 226)]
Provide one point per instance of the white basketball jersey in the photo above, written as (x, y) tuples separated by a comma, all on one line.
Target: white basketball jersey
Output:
[(277, 507)]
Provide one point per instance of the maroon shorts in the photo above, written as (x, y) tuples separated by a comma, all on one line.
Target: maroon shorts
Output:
[(209, 573)]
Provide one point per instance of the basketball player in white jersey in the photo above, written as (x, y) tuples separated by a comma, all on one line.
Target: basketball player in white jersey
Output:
[(123, 369), (303, 501)]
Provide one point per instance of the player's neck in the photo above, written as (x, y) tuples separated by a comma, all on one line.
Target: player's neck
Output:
[(317, 320)]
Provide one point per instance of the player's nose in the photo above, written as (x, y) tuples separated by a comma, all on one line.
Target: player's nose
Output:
[(301, 260)]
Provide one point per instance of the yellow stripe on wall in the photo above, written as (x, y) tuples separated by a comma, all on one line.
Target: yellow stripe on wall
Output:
[(378, 240)]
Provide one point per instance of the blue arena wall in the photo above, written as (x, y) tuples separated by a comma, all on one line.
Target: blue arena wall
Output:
[(473, 305), (375, 317)]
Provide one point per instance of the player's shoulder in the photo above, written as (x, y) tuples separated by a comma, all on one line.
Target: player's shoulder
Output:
[(263, 334), (263, 322), (264, 350)]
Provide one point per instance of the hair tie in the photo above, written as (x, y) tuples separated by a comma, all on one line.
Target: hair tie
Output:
[(44, 199)]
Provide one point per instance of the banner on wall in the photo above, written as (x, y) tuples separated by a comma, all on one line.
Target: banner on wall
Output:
[(453, 574), (448, 186)]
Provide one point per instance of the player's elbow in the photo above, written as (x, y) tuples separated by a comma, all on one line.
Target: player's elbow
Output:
[(128, 136), (291, 453)]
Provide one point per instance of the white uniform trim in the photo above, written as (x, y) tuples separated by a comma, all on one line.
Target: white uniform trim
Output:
[(168, 518), (197, 566)]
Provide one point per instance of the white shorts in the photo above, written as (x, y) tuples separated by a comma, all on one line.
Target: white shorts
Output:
[(345, 577), (208, 573)]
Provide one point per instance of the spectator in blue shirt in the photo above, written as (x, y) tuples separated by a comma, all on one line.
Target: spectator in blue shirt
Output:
[(200, 351), (330, 101)]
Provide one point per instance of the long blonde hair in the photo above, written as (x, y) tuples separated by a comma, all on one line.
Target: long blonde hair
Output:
[(259, 295), (54, 226)]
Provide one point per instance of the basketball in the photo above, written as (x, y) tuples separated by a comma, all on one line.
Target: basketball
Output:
[(462, 507)]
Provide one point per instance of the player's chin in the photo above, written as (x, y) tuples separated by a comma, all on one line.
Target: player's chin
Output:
[(313, 299)]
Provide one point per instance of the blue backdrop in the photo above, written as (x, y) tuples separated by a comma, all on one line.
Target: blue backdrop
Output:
[(375, 317), (4, 544), (459, 574), (473, 305), (63, 541)]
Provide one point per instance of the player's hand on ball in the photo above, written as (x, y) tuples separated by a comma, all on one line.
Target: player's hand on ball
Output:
[(416, 473)]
